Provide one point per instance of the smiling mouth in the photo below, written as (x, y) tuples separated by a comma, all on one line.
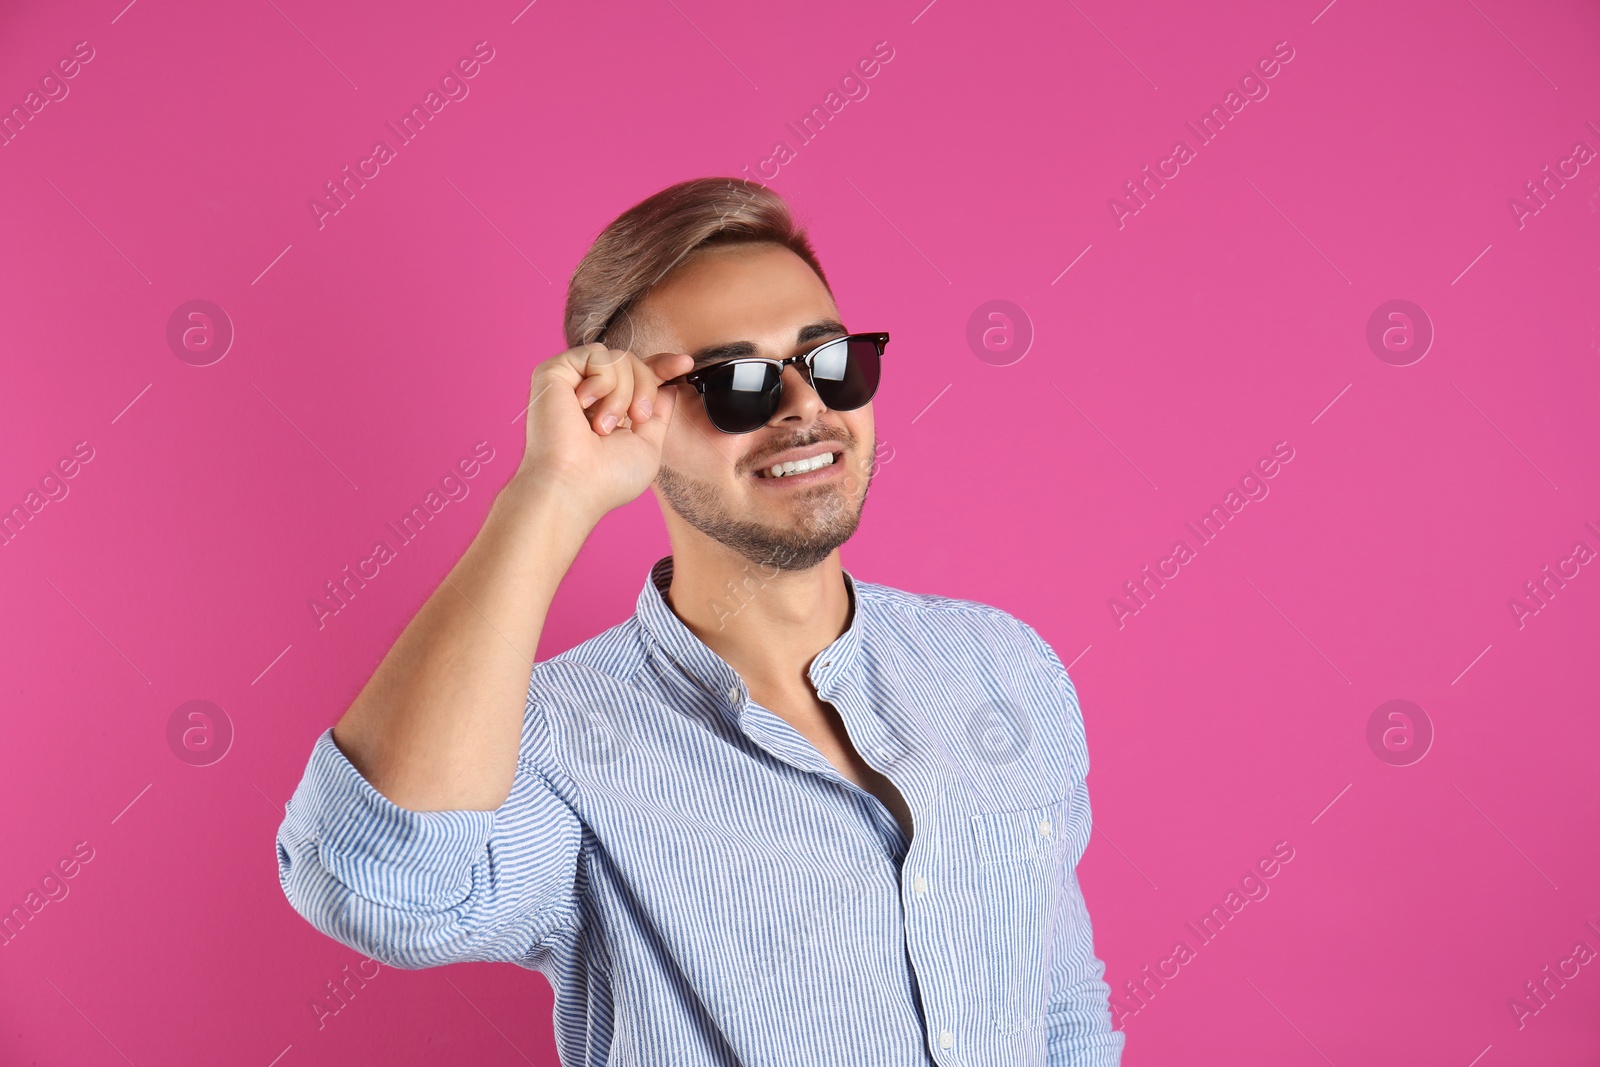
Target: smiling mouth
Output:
[(797, 468)]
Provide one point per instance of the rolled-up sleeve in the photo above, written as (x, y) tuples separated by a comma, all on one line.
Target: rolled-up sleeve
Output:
[(416, 889)]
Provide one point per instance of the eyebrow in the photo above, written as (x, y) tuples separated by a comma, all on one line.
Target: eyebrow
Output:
[(735, 349)]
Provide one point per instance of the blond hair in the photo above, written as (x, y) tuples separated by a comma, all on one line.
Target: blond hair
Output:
[(643, 244)]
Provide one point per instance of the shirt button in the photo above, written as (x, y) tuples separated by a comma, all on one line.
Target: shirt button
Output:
[(946, 1040), (920, 885), (1044, 827), (733, 694)]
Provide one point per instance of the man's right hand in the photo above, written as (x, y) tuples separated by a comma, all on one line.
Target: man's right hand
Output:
[(596, 461)]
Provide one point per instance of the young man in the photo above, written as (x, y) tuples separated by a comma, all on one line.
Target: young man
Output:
[(780, 815)]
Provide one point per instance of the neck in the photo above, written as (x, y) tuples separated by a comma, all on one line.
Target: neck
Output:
[(768, 624)]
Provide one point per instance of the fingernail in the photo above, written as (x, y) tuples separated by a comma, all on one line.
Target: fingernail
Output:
[(646, 407), (607, 422), (589, 400)]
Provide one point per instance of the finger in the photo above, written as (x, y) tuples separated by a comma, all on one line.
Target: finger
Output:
[(547, 377), (668, 365), (585, 360), (593, 357), (599, 369), (601, 355), (590, 390), (646, 384), (649, 373), (651, 403), (654, 429), (610, 408)]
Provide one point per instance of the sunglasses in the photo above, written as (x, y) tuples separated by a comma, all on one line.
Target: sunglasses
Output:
[(742, 395)]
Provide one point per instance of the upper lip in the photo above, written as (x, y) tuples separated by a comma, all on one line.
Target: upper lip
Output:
[(794, 454)]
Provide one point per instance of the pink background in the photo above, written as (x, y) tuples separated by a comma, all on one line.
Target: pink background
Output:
[(1168, 356)]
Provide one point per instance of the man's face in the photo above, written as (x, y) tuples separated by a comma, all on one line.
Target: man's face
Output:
[(715, 481)]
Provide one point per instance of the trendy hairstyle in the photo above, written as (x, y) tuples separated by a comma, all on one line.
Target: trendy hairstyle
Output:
[(644, 243)]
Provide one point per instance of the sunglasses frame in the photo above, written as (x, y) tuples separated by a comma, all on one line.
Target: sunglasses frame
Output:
[(805, 361)]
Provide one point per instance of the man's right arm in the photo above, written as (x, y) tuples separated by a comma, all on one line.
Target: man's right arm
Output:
[(420, 833), (437, 727), (417, 835)]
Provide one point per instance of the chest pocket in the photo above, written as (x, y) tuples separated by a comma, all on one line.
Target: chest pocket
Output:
[(1022, 856)]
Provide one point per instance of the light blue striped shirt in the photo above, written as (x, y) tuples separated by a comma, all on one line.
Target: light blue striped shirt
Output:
[(701, 886)]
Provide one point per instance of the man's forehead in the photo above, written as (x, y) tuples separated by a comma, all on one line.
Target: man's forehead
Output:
[(729, 293)]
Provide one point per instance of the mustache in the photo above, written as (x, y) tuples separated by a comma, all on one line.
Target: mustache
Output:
[(766, 458)]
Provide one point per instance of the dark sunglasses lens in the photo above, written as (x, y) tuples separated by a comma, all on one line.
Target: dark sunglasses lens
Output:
[(846, 374), (741, 397)]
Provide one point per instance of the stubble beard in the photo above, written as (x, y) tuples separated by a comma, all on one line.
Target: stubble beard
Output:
[(828, 518)]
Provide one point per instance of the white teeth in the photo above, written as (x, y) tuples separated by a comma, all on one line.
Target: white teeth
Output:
[(799, 466)]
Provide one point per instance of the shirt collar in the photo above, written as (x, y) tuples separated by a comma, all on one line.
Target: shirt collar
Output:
[(668, 635)]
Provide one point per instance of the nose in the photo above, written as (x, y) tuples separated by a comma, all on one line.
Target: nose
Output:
[(800, 402)]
